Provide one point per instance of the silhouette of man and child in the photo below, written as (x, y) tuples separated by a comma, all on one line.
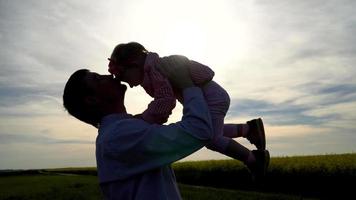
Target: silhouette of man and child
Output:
[(134, 153)]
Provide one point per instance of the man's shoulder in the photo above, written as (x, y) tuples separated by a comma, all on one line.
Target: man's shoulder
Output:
[(123, 127)]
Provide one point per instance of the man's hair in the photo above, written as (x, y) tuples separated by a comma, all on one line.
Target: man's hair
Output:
[(124, 52), (75, 92)]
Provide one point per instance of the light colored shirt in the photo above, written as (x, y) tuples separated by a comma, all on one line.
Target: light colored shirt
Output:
[(134, 157), (158, 86)]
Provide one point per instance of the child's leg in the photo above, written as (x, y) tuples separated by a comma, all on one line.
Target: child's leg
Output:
[(225, 145), (235, 130), (257, 161), (218, 101), (253, 130)]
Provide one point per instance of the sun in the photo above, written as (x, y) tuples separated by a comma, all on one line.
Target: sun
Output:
[(186, 39)]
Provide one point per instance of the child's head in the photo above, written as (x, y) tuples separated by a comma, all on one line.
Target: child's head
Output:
[(127, 61)]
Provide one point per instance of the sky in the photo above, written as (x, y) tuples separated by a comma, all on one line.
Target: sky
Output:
[(290, 62)]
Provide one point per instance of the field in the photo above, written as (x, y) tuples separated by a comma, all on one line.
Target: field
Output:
[(304, 177)]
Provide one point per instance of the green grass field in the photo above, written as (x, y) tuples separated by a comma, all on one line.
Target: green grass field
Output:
[(320, 176), (302, 177), (83, 187), (49, 187)]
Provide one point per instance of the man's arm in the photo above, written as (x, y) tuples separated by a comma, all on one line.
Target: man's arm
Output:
[(138, 150), (138, 146)]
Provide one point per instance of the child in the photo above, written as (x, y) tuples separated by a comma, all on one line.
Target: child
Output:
[(133, 64)]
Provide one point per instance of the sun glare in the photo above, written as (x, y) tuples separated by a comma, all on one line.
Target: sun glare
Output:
[(212, 32), (186, 39)]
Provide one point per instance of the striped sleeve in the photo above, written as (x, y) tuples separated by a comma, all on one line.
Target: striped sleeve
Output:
[(164, 100)]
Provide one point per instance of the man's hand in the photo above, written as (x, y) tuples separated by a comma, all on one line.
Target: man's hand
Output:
[(176, 69)]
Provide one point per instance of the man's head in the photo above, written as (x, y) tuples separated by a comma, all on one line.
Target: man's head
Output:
[(89, 96)]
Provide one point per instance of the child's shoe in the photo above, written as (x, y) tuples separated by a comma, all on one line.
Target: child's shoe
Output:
[(259, 168), (256, 133)]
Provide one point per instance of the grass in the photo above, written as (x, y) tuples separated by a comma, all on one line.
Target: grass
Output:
[(297, 177), (80, 187), (34, 187), (197, 192), (306, 176)]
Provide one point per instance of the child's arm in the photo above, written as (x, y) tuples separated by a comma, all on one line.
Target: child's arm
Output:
[(164, 101)]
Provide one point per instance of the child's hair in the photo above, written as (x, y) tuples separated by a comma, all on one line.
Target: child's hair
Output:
[(124, 52)]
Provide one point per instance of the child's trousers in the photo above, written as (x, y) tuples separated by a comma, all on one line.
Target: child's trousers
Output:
[(218, 101)]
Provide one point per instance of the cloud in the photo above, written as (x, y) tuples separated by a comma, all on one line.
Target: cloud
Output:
[(299, 110), (12, 94), (40, 100), (297, 32), (282, 114), (291, 62), (38, 139), (307, 141), (326, 94)]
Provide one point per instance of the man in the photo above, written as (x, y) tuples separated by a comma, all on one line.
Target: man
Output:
[(134, 157)]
